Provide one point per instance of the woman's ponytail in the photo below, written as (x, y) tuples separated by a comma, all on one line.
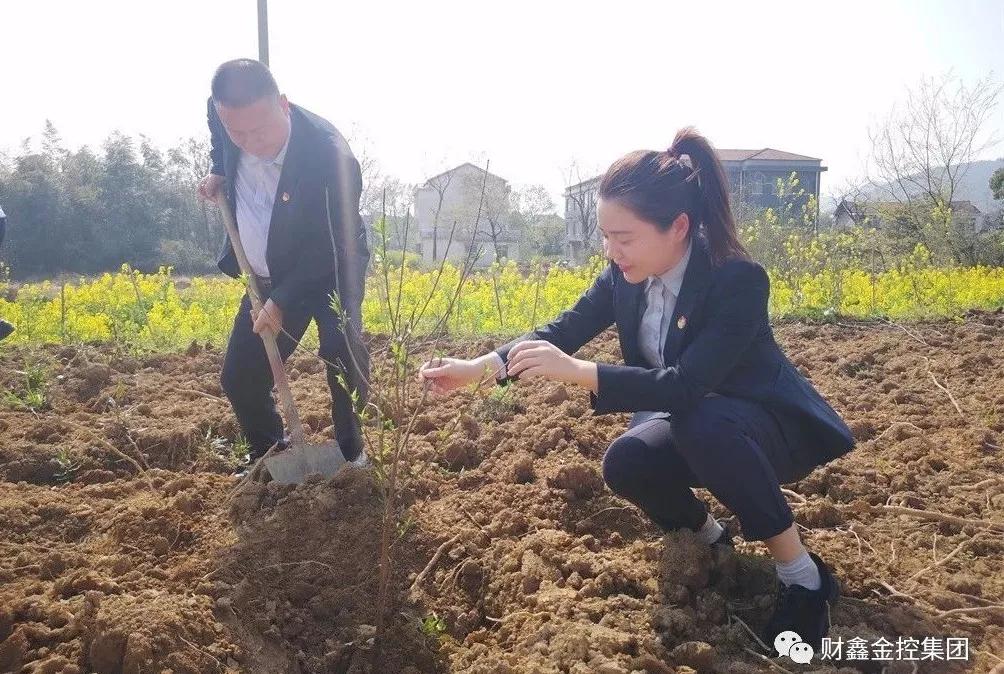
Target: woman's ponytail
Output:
[(686, 178), (716, 216)]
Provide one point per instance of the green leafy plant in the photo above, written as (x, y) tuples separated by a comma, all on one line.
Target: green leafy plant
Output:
[(240, 450), (31, 397), (433, 626), (67, 468)]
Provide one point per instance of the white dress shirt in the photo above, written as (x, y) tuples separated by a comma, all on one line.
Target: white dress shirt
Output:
[(256, 184), (661, 293)]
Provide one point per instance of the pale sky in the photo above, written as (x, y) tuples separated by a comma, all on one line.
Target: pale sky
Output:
[(530, 85)]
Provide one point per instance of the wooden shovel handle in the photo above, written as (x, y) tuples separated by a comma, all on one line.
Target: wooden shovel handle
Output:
[(271, 348)]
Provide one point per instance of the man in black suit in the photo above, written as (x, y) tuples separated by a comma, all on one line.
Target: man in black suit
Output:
[(5, 328), (294, 185)]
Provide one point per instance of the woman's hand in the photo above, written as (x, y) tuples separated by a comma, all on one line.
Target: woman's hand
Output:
[(448, 374), (537, 358)]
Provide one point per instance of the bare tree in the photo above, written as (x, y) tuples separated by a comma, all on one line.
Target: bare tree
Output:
[(374, 183), (581, 220), (534, 216), (495, 206), (498, 229), (371, 197), (382, 196), (920, 154), (532, 202), (440, 184), (394, 200)]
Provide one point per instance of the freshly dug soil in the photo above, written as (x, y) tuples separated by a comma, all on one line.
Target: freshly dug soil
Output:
[(124, 547)]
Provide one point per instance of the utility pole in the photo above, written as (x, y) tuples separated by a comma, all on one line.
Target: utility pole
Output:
[(263, 31)]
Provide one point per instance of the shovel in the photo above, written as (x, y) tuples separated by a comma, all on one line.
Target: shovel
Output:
[(299, 460)]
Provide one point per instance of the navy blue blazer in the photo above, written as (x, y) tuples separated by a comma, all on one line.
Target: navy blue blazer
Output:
[(316, 240), (719, 341)]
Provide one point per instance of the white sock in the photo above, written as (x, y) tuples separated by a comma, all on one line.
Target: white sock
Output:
[(710, 531), (800, 571)]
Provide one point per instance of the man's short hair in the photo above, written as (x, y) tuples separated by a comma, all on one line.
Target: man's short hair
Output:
[(241, 82)]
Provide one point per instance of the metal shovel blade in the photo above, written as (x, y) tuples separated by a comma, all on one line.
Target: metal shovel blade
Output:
[(294, 464)]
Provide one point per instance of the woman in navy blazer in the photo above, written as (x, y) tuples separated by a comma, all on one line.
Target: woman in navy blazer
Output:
[(717, 404)]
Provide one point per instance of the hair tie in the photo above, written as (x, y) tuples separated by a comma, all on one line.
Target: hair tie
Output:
[(685, 161)]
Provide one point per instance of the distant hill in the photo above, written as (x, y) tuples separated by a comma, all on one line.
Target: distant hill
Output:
[(974, 185)]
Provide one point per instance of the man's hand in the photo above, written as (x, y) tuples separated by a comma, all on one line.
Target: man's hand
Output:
[(209, 187), (537, 358), (268, 320)]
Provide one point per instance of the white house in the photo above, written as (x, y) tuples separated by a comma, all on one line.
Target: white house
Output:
[(457, 200)]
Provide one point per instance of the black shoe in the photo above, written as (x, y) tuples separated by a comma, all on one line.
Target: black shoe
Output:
[(5, 329), (803, 611), (351, 449), (351, 443)]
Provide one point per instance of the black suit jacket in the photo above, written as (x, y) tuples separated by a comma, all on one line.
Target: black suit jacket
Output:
[(316, 241), (719, 341)]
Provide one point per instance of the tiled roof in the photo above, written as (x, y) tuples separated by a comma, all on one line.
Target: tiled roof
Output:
[(767, 154)]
